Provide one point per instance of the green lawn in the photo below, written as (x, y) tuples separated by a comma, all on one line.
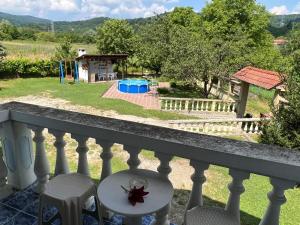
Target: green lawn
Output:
[(82, 94)]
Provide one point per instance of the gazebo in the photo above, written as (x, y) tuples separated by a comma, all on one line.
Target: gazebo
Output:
[(262, 78), (91, 66)]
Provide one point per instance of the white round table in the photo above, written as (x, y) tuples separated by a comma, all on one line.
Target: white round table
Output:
[(115, 199)]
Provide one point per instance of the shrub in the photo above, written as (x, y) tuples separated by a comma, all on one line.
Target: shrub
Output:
[(163, 91), (23, 67)]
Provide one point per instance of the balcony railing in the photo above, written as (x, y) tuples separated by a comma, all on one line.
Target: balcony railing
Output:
[(197, 105), (221, 126), (18, 120)]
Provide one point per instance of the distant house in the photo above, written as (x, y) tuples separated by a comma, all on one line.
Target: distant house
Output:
[(280, 42)]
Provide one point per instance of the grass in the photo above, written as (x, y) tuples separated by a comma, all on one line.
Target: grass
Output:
[(82, 94), (259, 101), (254, 201), (38, 50)]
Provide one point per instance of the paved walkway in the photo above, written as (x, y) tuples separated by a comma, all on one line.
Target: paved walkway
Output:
[(147, 100)]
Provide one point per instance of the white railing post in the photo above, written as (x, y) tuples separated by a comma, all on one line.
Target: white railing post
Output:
[(277, 198), (236, 188), (82, 149), (133, 161), (106, 157), (5, 190), (61, 166), (18, 154), (164, 170), (198, 179), (41, 164)]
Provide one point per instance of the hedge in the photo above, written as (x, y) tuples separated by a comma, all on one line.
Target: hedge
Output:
[(24, 67)]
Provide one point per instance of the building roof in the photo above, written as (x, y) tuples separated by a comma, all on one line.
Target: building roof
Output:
[(262, 78), (280, 41), (101, 57)]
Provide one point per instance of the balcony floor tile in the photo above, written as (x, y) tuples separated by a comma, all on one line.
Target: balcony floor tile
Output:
[(21, 208)]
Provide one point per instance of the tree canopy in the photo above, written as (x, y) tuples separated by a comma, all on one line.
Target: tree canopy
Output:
[(65, 51), (115, 37)]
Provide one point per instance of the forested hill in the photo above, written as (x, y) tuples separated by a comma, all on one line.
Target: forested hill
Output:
[(63, 26), (280, 25)]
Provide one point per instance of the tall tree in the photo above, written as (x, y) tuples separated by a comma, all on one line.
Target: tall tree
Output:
[(224, 18), (186, 17), (284, 129), (194, 58), (115, 37), (152, 45)]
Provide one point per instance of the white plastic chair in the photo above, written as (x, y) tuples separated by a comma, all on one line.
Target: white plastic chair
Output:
[(230, 215), (101, 76)]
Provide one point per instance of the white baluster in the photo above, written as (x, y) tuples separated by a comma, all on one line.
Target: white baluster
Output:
[(256, 129), (236, 188), (165, 104), (219, 106), (277, 198), (206, 106), (106, 157), (82, 149), (164, 170), (41, 164), (233, 107), (180, 105), (251, 128), (213, 106), (61, 166), (186, 105), (198, 179), (133, 161)]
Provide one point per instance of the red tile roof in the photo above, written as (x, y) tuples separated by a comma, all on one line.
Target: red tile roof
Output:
[(280, 41), (262, 78)]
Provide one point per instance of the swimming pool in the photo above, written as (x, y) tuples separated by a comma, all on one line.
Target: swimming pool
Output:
[(133, 86)]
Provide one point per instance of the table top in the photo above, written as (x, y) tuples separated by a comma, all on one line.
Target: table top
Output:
[(114, 198)]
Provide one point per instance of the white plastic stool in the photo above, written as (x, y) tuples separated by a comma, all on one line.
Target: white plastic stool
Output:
[(69, 193)]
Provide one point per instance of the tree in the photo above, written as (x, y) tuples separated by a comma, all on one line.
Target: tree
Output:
[(115, 37), (8, 31), (194, 58), (284, 129), (64, 52), (186, 17), (224, 18), (152, 44), (2, 52)]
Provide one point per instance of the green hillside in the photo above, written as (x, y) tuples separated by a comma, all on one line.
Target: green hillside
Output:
[(282, 24), (279, 26), (25, 20)]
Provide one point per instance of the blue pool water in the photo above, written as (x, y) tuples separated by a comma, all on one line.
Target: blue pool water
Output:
[(133, 86)]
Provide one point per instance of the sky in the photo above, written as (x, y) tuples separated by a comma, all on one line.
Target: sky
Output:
[(85, 9)]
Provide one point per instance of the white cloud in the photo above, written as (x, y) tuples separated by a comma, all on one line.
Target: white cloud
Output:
[(279, 10), (80, 9)]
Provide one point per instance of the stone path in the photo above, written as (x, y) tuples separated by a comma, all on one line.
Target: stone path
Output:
[(147, 100)]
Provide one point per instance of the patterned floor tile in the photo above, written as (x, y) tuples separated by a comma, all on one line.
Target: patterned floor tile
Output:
[(6, 214), (21, 208), (22, 219)]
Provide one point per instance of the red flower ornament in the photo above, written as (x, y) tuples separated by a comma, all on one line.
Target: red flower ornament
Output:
[(136, 195)]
